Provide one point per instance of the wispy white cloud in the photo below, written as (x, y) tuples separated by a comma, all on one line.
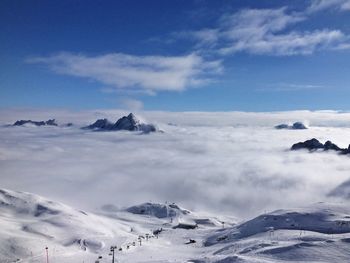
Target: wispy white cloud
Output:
[(206, 37), (122, 71), (257, 23), (293, 43), (270, 32), (291, 87), (320, 5), (342, 46), (262, 31)]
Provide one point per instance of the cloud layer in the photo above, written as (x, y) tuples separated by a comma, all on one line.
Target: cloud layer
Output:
[(234, 163)]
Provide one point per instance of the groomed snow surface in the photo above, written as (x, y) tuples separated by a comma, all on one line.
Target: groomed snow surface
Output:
[(78, 192), (153, 232)]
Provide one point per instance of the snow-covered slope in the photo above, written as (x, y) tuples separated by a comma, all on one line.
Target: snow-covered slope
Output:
[(29, 223), (318, 233), (149, 232)]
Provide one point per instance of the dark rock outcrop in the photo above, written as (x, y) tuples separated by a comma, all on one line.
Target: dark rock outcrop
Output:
[(282, 126), (186, 226), (131, 123), (191, 241), (311, 145), (295, 126), (157, 231), (127, 123), (100, 124), (314, 144), (50, 122), (331, 146), (299, 126)]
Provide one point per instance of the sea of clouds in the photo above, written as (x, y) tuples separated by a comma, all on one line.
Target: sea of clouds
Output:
[(234, 163)]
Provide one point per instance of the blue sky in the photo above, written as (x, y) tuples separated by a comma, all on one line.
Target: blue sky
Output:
[(175, 55)]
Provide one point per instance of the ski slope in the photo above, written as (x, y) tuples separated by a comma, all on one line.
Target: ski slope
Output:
[(30, 223)]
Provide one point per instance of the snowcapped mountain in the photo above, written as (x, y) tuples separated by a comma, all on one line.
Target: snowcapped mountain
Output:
[(128, 123)]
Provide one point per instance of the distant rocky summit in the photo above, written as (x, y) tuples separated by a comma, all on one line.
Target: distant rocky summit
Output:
[(314, 144), (128, 123), (50, 122), (100, 124), (282, 126), (295, 126)]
